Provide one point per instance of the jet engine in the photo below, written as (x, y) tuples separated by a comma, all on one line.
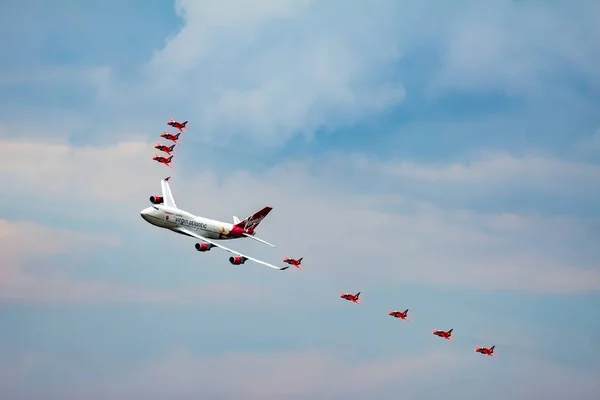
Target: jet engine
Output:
[(156, 199), (237, 260), (204, 246)]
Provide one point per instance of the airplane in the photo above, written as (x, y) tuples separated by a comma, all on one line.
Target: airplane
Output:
[(178, 125), (445, 335), (163, 160), (164, 213), (487, 351), (351, 297), (295, 263), (164, 148), (170, 136), (400, 314)]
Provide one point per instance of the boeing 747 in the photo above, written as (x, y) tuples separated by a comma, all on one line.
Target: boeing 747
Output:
[(164, 213)]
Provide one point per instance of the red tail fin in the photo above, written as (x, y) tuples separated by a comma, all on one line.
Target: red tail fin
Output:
[(252, 222)]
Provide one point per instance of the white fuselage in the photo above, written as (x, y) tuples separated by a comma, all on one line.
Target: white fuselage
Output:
[(169, 218)]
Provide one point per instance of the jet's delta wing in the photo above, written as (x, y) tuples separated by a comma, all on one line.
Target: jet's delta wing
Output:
[(214, 243)]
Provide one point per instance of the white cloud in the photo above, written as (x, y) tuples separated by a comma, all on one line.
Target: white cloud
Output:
[(589, 146), (408, 241), (28, 273), (310, 374), (274, 69), (515, 46), (264, 375), (492, 172), (96, 78), (264, 73), (553, 381), (70, 172)]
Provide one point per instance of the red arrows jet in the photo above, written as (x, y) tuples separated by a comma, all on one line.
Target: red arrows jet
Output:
[(294, 262), (445, 335), (400, 314), (170, 136), (163, 148), (177, 125), (487, 351), (163, 160), (351, 297)]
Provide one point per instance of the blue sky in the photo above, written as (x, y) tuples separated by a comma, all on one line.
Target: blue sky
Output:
[(439, 157)]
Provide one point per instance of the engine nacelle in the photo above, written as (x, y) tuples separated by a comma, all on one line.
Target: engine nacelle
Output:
[(204, 246), (156, 199), (237, 260)]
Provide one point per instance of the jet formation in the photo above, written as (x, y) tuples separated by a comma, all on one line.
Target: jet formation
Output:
[(173, 138), (165, 214)]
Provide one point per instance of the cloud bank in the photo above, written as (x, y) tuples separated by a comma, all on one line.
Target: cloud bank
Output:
[(410, 240)]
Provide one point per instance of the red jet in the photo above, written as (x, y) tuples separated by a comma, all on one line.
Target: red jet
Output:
[(163, 160), (445, 335), (295, 263), (487, 351), (164, 148), (351, 297), (170, 136), (400, 314), (177, 125)]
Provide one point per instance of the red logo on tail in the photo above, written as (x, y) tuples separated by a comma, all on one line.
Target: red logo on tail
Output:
[(250, 223)]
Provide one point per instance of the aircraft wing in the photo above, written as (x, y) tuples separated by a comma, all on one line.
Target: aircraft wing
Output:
[(194, 234)]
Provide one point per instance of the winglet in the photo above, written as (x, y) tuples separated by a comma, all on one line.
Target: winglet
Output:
[(167, 178)]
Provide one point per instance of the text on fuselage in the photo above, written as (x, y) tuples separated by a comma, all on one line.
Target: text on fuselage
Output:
[(188, 222)]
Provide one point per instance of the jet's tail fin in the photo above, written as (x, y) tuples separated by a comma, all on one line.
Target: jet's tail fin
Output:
[(450, 331), (492, 348), (183, 125), (168, 199), (252, 222), (405, 311), (357, 295), (236, 220), (169, 159), (300, 259)]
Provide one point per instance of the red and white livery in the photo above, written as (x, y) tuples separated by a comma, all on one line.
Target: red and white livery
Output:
[(294, 262), (351, 297), (177, 125), (488, 351), (163, 160), (400, 314), (169, 136), (443, 334), (164, 149), (164, 213)]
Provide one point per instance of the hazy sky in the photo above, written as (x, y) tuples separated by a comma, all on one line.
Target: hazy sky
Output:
[(441, 156)]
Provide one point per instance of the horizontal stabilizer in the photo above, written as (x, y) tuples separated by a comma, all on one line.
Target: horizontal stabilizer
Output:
[(259, 240)]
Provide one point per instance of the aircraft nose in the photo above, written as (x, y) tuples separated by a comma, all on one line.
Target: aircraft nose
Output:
[(144, 213)]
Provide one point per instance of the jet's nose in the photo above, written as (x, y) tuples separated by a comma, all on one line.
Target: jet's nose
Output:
[(145, 213)]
